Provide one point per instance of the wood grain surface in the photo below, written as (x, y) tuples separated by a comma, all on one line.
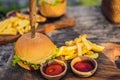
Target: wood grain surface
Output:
[(107, 70), (90, 21)]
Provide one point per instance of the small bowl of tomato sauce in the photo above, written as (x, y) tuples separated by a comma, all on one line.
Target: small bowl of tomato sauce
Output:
[(84, 66), (54, 69)]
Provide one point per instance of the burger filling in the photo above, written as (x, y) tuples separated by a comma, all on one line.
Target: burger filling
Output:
[(52, 2), (32, 66), (16, 60)]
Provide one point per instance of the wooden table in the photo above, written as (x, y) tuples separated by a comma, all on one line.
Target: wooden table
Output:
[(90, 21)]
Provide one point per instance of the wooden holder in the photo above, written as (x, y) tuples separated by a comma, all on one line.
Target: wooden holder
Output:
[(32, 6)]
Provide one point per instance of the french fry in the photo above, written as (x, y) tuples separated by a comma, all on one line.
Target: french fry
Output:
[(26, 29), (13, 19), (89, 53), (15, 23), (77, 40), (20, 31), (18, 24), (29, 27), (10, 31), (9, 26), (39, 18), (36, 25), (69, 43), (22, 16), (79, 47), (86, 43), (96, 48), (23, 23), (22, 26), (95, 55), (4, 25)]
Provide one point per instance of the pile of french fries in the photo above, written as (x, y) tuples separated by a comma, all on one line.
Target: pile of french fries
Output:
[(79, 47), (19, 24)]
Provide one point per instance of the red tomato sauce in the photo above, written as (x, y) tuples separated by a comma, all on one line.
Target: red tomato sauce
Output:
[(84, 66), (54, 69)]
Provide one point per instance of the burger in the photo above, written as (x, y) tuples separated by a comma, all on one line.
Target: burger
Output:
[(30, 53), (52, 8)]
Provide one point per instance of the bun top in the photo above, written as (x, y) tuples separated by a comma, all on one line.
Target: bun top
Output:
[(34, 50)]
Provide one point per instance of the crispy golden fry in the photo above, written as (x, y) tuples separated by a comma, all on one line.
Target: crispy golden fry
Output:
[(95, 47), (39, 18), (9, 31), (21, 31), (14, 25), (23, 23), (79, 47), (95, 55), (22, 16), (89, 53), (9, 26), (69, 43), (4, 25), (26, 29), (67, 52), (86, 43), (13, 19), (29, 27)]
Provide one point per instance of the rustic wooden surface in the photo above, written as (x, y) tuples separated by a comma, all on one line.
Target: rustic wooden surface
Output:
[(48, 26), (90, 21)]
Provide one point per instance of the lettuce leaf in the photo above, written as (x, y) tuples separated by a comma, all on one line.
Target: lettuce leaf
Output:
[(16, 59), (14, 43), (55, 3), (43, 3), (34, 66), (56, 52)]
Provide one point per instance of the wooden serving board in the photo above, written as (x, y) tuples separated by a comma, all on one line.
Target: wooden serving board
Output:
[(107, 69), (51, 24)]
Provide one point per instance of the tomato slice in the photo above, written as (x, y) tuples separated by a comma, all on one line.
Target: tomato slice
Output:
[(53, 69)]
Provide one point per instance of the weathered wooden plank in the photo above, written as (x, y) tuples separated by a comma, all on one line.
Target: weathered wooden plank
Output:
[(89, 20)]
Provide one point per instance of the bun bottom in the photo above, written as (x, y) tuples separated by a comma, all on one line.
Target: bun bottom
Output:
[(21, 64)]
